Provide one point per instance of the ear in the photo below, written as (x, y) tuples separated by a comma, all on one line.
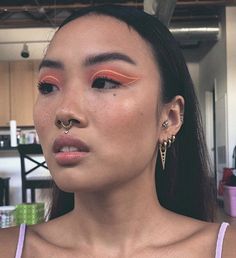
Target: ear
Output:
[(172, 115)]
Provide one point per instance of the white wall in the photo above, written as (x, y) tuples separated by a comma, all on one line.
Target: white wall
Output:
[(213, 74), (218, 68), (231, 78), (212, 68), (194, 72)]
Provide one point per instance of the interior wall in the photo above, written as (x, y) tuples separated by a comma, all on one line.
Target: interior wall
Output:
[(217, 70), (212, 68), (231, 79), (193, 68), (213, 77)]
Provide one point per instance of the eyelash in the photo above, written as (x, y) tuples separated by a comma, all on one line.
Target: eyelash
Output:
[(103, 80), (46, 87)]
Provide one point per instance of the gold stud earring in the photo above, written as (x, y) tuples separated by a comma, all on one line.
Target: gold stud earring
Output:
[(165, 124)]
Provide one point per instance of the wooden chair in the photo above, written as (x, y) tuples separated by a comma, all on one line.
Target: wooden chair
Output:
[(31, 152), (4, 191)]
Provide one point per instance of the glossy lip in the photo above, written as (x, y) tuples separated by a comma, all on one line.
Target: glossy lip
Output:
[(69, 158)]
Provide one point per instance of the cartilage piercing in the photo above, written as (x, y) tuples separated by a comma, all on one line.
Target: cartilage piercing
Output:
[(182, 118), (165, 124)]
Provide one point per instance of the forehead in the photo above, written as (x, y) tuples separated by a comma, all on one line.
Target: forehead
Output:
[(99, 33)]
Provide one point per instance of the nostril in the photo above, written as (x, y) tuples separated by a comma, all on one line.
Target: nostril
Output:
[(58, 123), (74, 121), (68, 122)]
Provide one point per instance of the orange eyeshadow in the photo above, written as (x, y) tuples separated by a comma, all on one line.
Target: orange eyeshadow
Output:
[(123, 79), (50, 78)]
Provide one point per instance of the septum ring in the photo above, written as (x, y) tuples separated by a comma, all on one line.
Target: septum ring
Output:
[(67, 127)]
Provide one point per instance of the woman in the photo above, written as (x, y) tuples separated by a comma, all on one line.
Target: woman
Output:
[(116, 112)]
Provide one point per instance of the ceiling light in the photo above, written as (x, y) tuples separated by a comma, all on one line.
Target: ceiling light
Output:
[(25, 51)]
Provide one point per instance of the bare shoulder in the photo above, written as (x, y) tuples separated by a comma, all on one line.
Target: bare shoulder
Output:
[(211, 231), (42, 239), (194, 237), (229, 247), (8, 241), (199, 238), (202, 241)]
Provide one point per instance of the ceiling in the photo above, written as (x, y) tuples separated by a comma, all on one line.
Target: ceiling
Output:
[(195, 24), (50, 13)]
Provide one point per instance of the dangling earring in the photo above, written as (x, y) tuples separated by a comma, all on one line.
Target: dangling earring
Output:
[(163, 146), (163, 149)]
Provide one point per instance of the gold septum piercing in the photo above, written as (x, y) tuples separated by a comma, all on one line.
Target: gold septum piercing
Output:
[(67, 127)]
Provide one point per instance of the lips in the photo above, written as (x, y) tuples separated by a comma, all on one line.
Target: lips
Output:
[(69, 151), (69, 144)]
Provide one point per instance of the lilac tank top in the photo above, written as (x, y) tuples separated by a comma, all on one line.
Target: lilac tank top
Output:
[(220, 239), (21, 240), (218, 254)]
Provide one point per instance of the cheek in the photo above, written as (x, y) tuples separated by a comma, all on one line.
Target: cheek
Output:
[(42, 118), (125, 119), (126, 130)]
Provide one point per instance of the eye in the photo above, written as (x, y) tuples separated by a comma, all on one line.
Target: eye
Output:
[(46, 87), (105, 83)]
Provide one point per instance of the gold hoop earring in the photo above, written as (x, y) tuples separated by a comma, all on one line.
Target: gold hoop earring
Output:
[(163, 149)]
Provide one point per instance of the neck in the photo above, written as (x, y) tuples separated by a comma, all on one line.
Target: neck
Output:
[(118, 216)]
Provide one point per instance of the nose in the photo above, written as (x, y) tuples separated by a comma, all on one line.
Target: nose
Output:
[(71, 109)]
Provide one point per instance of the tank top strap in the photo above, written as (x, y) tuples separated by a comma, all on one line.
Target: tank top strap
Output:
[(220, 239), (21, 239)]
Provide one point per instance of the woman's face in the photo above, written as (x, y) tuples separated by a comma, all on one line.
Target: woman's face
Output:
[(100, 72)]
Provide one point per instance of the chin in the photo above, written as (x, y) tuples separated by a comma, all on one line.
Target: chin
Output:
[(88, 184)]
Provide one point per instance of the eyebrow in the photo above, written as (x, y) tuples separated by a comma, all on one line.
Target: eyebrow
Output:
[(107, 57), (46, 63), (90, 60)]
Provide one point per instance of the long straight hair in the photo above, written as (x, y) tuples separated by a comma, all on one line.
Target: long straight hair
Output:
[(184, 186)]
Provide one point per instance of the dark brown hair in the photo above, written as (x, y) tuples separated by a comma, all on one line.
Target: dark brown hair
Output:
[(184, 187)]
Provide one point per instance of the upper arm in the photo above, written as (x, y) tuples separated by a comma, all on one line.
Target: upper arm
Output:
[(8, 242), (229, 247)]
